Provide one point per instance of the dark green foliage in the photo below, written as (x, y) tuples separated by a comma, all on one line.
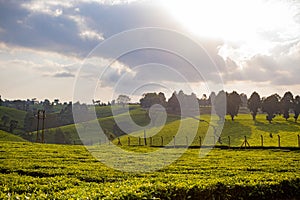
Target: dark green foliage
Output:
[(13, 124), (220, 105), (254, 103), (5, 120), (287, 103), (296, 107), (271, 105), (29, 121), (233, 104), (150, 99)]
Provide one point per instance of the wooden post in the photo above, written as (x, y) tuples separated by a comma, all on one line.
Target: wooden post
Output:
[(150, 141), (246, 143), (145, 138), (119, 142), (43, 125), (139, 140), (278, 140), (298, 140), (37, 126), (162, 140), (200, 141), (128, 141), (262, 140), (174, 141), (214, 140), (229, 141), (187, 140)]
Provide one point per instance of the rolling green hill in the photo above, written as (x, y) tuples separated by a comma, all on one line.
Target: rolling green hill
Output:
[(4, 136), (69, 133), (236, 130), (14, 114)]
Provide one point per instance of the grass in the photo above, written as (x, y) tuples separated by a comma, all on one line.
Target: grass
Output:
[(14, 114), (243, 125), (5, 136), (45, 171)]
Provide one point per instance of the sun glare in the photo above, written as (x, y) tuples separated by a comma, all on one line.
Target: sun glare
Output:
[(232, 20), (249, 27)]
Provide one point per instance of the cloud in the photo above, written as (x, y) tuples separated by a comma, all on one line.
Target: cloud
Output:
[(63, 75)]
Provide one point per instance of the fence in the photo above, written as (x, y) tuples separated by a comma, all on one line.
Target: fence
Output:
[(228, 142)]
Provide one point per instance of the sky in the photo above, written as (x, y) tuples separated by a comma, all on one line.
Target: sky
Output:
[(47, 46)]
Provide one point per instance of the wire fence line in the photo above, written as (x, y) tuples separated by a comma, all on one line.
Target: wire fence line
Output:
[(229, 141)]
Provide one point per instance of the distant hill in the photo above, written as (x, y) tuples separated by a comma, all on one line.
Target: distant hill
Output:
[(5, 136), (68, 134), (14, 114)]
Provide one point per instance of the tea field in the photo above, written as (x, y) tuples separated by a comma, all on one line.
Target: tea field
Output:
[(48, 171)]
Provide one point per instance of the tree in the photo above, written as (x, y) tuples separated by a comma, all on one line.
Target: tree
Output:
[(149, 99), (5, 120), (271, 106), (211, 98), (12, 125), (48, 107), (244, 100), (233, 104), (287, 103), (123, 99), (220, 105), (296, 107), (254, 103)]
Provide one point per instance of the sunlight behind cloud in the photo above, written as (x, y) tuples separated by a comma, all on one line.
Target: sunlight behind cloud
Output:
[(258, 24)]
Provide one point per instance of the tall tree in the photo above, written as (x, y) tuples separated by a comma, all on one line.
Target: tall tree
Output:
[(254, 103), (211, 98), (233, 104), (287, 103), (271, 105), (150, 99), (244, 100), (296, 107), (220, 105), (123, 99)]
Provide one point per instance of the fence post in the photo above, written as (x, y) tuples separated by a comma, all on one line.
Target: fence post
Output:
[(200, 141), (139, 141), (119, 142), (145, 138), (298, 140), (187, 141), (174, 141), (128, 141), (262, 140), (162, 140), (150, 141), (229, 141), (278, 140)]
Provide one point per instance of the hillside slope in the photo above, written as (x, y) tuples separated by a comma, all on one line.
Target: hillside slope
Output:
[(242, 126), (5, 136)]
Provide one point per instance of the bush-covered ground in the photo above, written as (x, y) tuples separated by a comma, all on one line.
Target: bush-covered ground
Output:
[(45, 171)]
